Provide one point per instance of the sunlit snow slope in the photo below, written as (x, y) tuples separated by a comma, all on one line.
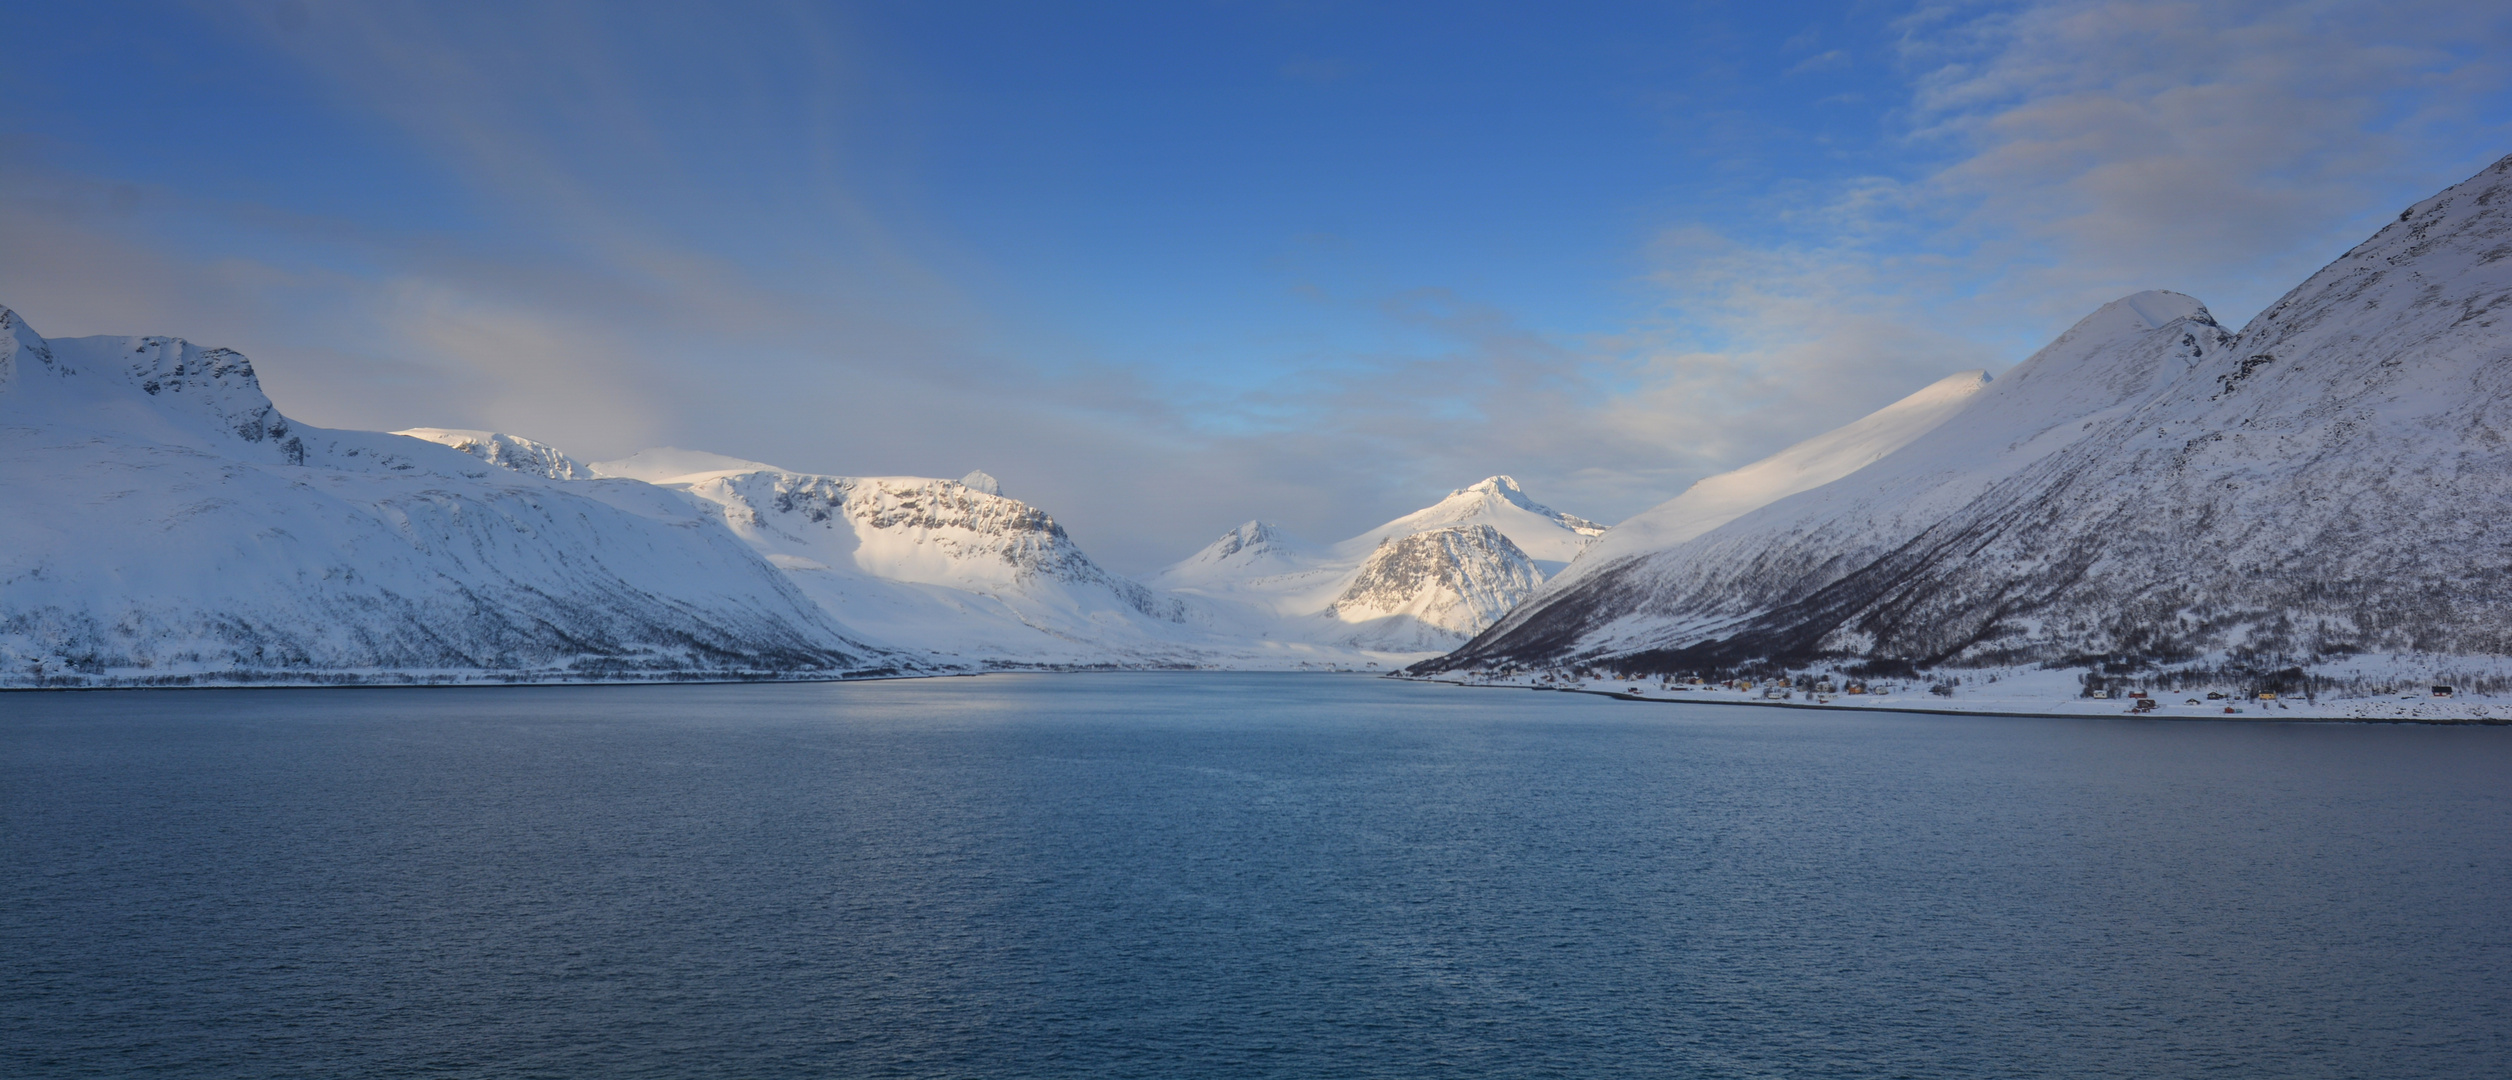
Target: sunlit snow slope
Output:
[(2147, 490), (161, 522), (949, 567), (1717, 500)]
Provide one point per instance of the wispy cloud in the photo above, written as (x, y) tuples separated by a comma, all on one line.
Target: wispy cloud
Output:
[(2065, 154), (1832, 58), (631, 279), (2223, 146)]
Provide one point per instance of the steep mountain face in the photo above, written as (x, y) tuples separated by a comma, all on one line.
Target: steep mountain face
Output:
[(949, 567), (1425, 581), (164, 523), (2148, 490), (1421, 585)]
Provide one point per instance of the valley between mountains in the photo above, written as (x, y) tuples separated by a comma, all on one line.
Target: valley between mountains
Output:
[(2312, 505)]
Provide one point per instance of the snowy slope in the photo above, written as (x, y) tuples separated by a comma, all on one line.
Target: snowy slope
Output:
[(160, 521), (1717, 500), (1423, 582), (2146, 491), (949, 567)]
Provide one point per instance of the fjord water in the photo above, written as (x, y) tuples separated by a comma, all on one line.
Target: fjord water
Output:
[(1189, 875)]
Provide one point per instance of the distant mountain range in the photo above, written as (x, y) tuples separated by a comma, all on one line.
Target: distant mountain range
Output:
[(2149, 492), (1426, 581), (166, 525)]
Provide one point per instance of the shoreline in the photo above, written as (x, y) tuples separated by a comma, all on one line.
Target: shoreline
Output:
[(2312, 714), (712, 680)]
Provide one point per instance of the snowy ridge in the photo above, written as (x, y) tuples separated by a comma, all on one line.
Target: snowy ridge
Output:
[(166, 524), (942, 566), (1717, 500), (1550, 537), (506, 452), (1421, 583), (2147, 492)]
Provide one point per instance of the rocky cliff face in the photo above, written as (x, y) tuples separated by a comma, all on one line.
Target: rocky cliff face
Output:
[(2148, 490), (941, 532), (1433, 584)]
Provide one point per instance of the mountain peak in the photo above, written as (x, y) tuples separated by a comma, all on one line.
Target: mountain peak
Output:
[(979, 480), (1251, 534), (1543, 533), (1252, 538), (1505, 489), (2158, 308), (506, 451), (176, 385), (19, 342)]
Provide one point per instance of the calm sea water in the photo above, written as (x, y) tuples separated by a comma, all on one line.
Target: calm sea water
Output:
[(1231, 876)]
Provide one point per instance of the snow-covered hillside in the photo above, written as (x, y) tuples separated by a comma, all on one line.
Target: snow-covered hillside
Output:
[(1423, 582), (1717, 500), (162, 522), (2147, 491), (948, 567)]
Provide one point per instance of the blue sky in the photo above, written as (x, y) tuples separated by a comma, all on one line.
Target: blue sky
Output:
[(1165, 267)]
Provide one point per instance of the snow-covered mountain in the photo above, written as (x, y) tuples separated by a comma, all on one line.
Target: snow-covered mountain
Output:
[(948, 567), (1547, 536), (1421, 591), (1421, 583), (2147, 491), (162, 522)]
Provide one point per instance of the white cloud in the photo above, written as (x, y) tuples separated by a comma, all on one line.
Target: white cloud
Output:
[(2223, 148)]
